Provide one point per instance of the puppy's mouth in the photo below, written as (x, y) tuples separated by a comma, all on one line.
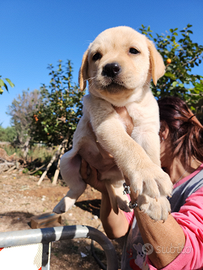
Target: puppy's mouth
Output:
[(113, 87)]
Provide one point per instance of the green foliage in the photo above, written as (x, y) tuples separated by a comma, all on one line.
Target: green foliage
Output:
[(57, 116), (40, 153), (25, 171), (178, 48), (10, 150), (53, 117), (7, 134), (3, 85), (38, 173)]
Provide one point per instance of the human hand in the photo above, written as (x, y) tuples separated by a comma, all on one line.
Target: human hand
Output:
[(91, 176)]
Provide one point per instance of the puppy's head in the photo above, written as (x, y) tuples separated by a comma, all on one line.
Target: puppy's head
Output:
[(119, 64)]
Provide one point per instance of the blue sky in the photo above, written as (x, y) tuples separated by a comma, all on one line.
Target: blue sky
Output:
[(35, 33)]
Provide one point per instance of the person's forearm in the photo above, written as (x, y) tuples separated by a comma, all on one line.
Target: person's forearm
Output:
[(167, 238), (115, 225)]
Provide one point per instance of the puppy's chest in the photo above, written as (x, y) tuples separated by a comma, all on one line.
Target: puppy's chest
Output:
[(137, 114), (144, 119)]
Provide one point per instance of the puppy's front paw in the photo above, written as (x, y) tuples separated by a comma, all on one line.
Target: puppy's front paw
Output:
[(157, 209), (151, 181)]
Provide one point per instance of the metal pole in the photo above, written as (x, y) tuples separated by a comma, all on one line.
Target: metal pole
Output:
[(46, 253), (46, 235)]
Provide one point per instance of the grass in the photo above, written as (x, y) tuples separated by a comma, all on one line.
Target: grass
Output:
[(41, 153), (10, 150)]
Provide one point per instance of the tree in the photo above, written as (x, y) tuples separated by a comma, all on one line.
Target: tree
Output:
[(56, 117), (3, 85), (21, 112), (7, 134), (180, 55)]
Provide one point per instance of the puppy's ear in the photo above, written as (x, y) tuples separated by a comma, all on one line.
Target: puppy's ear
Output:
[(156, 61), (83, 71)]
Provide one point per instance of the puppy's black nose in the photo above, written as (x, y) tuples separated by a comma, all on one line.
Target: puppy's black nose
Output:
[(111, 70)]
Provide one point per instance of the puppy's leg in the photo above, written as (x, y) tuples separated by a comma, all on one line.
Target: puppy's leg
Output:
[(70, 171), (160, 207), (116, 196), (150, 142), (112, 195), (115, 189), (130, 157)]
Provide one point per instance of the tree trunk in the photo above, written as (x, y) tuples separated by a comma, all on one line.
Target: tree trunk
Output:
[(58, 154)]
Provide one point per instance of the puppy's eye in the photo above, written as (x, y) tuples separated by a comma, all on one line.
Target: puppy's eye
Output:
[(96, 56), (133, 51)]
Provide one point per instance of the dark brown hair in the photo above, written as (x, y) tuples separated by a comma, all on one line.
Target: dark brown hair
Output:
[(186, 132)]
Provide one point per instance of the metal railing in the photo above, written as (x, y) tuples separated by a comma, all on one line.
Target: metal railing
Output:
[(48, 235)]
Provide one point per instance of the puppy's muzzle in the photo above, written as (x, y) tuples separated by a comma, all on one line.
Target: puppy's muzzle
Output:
[(111, 70)]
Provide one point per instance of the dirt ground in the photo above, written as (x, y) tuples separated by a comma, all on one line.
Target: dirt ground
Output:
[(21, 198)]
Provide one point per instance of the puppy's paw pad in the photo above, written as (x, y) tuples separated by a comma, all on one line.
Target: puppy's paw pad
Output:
[(157, 209)]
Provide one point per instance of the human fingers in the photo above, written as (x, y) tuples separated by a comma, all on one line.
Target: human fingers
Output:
[(92, 176), (94, 180)]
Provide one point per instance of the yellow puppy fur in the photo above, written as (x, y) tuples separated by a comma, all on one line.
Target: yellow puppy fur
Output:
[(118, 66)]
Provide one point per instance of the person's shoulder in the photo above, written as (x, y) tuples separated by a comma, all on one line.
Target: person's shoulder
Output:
[(197, 193)]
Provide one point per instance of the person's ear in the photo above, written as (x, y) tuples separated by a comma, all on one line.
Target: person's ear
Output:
[(164, 131)]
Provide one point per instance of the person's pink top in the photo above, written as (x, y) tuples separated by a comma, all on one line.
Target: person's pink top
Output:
[(190, 218)]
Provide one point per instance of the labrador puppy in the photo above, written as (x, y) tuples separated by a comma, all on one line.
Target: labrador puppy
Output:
[(118, 66)]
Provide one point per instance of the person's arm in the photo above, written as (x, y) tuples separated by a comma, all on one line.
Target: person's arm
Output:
[(172, 252), (115, 225), (163, 236)]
